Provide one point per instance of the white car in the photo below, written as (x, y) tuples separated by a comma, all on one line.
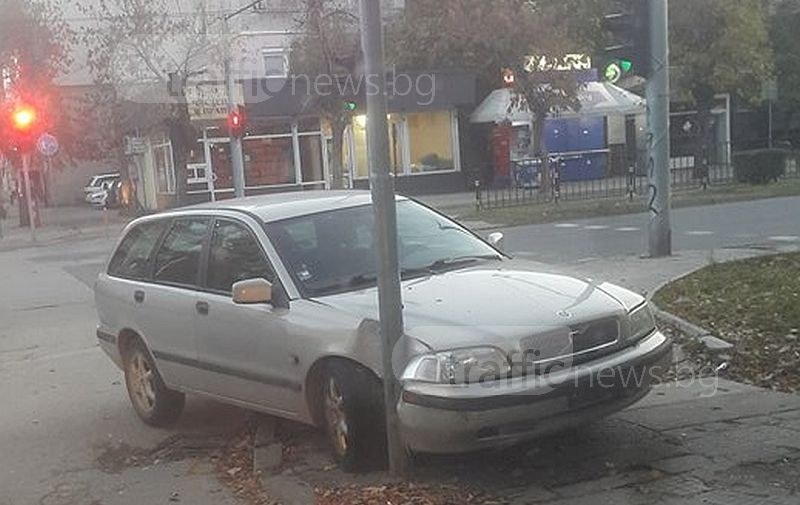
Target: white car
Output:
[(97, 184), (270, 303)]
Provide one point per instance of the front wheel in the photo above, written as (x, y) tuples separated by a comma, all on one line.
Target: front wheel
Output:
[(155, 404), (353, 414)]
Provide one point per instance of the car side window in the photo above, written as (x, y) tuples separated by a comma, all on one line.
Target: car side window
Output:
[(235, 255), (132, 258), (178, 259)]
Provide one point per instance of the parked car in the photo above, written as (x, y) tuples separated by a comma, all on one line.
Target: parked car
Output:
[(108, 196), (270, 303), (98, 183)]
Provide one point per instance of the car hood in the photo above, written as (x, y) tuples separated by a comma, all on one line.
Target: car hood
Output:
[(494, 304)]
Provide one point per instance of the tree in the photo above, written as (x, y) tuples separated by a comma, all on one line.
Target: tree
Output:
[(785, 39), (34, 48), (486, 37), (718, 46), (325, 58), (147, 45)]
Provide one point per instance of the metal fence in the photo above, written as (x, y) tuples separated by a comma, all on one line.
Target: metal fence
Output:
[(527, 183)]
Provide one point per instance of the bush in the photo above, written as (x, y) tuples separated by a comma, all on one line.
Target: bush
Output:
[(760, 166)]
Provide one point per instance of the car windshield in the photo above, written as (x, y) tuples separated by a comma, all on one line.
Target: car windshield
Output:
[(334, 251)]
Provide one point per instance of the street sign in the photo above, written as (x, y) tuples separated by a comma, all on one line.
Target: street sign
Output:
[(47, 145), (210, 101)]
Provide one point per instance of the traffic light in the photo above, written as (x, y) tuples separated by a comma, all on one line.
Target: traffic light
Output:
[(350, 105), (22, 124), (237, 122), (629, 50)]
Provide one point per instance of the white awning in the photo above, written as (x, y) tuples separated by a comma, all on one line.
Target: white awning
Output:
[(596, 99)]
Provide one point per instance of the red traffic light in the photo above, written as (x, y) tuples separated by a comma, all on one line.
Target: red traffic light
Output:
[(21, 124), (23, 118), (237, 122)]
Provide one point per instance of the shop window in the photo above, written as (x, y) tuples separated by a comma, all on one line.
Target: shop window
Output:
[(269, 161), (430, 136), (221, 163), (396, 145), (311, 158), (165, 170)]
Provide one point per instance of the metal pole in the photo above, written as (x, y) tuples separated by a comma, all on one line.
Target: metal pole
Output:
[(237, 156), (383, 202), (26, 178), (769, 139), (659, 227)]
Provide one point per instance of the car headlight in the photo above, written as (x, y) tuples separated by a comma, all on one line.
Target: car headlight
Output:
[(459, 366), (641, 322)]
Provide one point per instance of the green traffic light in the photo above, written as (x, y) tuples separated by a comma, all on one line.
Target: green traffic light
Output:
[(612, 72), (350, 106), (626, 65)]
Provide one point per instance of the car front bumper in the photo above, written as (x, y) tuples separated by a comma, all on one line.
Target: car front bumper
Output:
[(443, 418)]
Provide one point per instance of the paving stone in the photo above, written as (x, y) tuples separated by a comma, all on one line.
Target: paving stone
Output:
[(607, 483), (531, 494), (714, 408), (268, 458), (265, 434), (681, 464), (715, 344), (289, 490), (730, 497), (677, 485), (747, 444)]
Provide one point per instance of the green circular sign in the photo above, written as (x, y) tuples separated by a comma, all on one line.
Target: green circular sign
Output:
[(612, 73)]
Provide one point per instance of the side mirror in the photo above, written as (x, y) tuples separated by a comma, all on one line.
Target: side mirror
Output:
[(252, 291), (497, 240)]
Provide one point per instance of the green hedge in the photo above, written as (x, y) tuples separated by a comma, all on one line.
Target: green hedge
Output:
[(760, 166)]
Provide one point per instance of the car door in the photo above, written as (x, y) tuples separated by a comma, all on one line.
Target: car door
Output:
[(167, 304), (246, 351)]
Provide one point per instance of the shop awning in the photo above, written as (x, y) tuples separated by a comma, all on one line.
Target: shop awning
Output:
[(596, 98)]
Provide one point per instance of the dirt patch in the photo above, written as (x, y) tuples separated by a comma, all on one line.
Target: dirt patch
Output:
[(754, 304), (114, 459)]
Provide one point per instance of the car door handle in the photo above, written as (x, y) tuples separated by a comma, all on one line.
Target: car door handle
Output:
[(138, 296), (202, 308)]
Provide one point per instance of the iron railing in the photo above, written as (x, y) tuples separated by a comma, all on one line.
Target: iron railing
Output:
[(527, 184)]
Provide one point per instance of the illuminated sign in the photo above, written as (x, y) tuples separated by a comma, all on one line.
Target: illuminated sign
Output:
[(568, 62)]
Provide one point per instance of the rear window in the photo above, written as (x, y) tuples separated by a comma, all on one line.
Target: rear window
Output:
[(132, 257)]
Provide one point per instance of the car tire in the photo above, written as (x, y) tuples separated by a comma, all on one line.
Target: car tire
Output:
[(155, 404), (353, 416)]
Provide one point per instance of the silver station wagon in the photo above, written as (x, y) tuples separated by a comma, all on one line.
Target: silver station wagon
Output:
[(270, 303)]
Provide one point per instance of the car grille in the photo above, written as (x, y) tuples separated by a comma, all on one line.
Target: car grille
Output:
[(564, 347)]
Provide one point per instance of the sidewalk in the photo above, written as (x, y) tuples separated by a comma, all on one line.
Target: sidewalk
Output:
[(59, 224)]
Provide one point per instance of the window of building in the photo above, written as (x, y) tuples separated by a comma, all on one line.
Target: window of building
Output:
[(132, 257), (269, 161), (235, 255), (276, 62), (419, 142), (430, 139), (178, 259), (165, 169)]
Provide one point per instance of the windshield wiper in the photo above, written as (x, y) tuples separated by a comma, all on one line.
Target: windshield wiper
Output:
[(460, 260)]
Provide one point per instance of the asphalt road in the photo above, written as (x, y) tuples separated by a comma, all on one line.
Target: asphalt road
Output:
[(68, 435), (755, 224)]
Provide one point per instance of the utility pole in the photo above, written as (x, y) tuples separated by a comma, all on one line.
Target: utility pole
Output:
[(26, 176), (237, 154), (384, 205), (658, 172)]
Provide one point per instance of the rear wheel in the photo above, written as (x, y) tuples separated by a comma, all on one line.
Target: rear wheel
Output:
[(353, 416), (155, 404)]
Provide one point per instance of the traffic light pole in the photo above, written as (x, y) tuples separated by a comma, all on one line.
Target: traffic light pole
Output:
[(660, 192), (237, 155), (384, 205), (26, 180)]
